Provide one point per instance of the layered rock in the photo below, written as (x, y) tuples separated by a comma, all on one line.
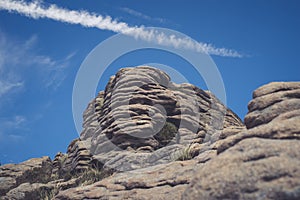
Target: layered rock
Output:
[(156, 182), (29, 191), (271, 101), (58, 163), (138, 109), (252, 169), (169, 141), (262, 162), (273, 113), (78, 158), (90, 117), (35, 170), (138, 102)]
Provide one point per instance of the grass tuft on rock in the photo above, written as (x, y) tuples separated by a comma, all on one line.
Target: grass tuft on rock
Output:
[(92, 175), (167, 133)]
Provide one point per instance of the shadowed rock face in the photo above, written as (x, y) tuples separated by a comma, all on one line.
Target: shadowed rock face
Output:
[(171, 142)]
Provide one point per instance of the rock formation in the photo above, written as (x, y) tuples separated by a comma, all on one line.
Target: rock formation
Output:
[(143, 116), (145, 137), (262, 162)]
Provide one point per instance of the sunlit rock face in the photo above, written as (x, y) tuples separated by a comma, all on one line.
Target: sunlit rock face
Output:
[(137, 103), (142, 111), (145, 137)]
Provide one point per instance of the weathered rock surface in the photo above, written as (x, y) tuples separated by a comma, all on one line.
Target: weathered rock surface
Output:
[(156, 182), (254, 168), (167, 141), (138, 101), (136, 106), (35, 170), (262, 162), (234, 163), (272, 100), (28, 191), (79, 157)]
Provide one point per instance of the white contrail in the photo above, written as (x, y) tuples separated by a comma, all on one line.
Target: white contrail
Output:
[(36, 10)]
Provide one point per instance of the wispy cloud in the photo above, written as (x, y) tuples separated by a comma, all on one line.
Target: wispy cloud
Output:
[(56, 71), (37, 10), (21, 64), (8, 80), (141, 15), (15, 122), (8, 127), (6, 87), (18, 57)]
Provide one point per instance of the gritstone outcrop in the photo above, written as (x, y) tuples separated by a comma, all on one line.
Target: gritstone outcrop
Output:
[(145, 137)]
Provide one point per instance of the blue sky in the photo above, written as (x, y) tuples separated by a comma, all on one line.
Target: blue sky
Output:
[(39, 59)]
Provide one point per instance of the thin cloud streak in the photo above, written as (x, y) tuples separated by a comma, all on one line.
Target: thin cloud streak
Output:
[(9, 82), (8, 129), (36, 10), (18, 57), (16, 122), (6, 86), (141, 15)]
